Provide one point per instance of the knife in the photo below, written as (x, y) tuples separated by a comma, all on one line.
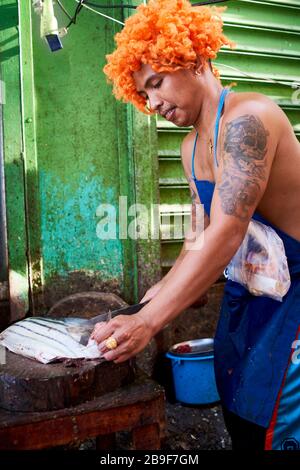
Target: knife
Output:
[(81, 328)]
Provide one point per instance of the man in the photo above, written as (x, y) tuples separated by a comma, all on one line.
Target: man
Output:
[(253, 171)]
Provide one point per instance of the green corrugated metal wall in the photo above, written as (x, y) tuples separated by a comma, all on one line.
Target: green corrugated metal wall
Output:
[(267, 35)]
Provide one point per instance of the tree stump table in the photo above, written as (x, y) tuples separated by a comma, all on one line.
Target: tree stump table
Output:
[(138, 408), (26, 385), (43, 406)]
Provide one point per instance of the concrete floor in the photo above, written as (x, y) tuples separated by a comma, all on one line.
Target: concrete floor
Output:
[(195, 428)]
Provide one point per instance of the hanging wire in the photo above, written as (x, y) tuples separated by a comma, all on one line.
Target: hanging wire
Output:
[(88, 5), (97, 5), (63, 9), (83, 3), (272, 80), (77, 11), (208, 2)]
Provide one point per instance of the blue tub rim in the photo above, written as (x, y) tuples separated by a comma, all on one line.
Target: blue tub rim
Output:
[(200, 357)]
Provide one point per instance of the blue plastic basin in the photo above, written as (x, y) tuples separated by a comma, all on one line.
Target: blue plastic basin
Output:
[(194, 376)]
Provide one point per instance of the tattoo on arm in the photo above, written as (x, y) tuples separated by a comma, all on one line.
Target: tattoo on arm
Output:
[(244, 158)]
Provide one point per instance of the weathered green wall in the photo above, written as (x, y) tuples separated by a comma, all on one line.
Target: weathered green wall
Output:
[(79, 148), (77, 151)]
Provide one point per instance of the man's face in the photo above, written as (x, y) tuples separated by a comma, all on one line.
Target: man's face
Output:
[(175, 96)]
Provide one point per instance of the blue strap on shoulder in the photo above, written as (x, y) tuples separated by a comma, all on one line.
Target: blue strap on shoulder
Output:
[(193, 156), (225, 91)]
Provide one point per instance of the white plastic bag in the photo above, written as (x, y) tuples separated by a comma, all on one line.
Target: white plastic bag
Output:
[(260, 263)]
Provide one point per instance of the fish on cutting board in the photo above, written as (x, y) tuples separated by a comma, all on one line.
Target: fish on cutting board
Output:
[(51, 339), (46, 340)]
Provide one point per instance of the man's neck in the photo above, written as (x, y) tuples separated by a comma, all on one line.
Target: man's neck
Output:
[(208, 111)]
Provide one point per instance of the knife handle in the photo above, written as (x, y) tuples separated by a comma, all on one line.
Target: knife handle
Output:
[(121, 311), (129, 310)]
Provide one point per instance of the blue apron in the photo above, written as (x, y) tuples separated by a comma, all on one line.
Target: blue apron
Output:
[(254, 335)]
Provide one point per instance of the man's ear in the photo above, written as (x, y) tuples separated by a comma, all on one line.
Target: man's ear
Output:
[(199, 67)]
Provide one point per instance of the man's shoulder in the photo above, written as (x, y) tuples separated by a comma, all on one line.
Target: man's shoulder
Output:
[(254, 112), (252, 103)]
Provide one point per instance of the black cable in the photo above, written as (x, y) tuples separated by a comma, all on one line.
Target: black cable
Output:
[(208, 2), (63, 9), (77, 11), (80, 5), (97, 5)]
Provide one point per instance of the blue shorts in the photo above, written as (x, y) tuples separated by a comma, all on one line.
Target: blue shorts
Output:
[(283, 432)]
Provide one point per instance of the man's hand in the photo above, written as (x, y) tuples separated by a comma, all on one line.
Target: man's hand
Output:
[(131, 333)]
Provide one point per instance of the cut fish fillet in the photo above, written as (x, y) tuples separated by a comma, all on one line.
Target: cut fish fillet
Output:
[(46, 340)]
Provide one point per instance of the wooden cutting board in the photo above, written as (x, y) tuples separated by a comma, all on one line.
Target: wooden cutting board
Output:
[(27, 385)]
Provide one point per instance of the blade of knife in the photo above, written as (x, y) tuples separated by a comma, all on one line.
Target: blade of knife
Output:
[(80, 328)]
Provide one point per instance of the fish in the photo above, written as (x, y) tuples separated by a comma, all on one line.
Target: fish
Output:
[(56, 339), (46, 340)]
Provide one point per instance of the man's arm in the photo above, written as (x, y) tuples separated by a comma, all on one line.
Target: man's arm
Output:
[(247, 150), (248, 147)]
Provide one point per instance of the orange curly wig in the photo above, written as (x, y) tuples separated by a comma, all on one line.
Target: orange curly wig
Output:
[(168, 35)]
